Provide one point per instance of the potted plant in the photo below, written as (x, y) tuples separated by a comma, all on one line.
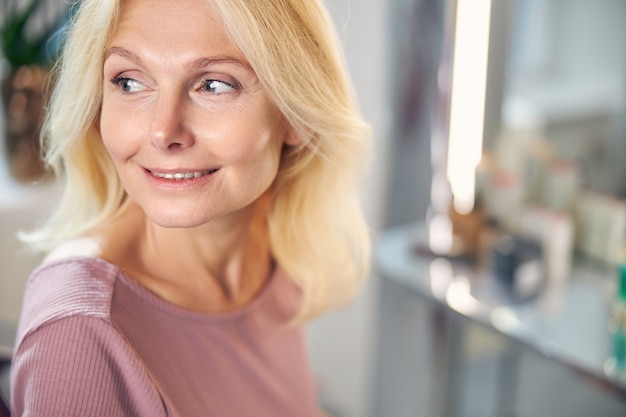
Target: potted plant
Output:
[(28, 50)]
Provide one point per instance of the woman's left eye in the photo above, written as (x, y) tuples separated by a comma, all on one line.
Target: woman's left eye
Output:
[(217, 87)]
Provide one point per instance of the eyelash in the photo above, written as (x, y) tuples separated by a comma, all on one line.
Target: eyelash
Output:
[(119, 80), (234, 86)]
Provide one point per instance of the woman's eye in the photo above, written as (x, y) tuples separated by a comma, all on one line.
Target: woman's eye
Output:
[(128, 85), (217, 87)]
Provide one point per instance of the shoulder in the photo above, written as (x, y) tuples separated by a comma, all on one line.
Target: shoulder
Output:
[(69, 358), (74, 286), (80, 365)]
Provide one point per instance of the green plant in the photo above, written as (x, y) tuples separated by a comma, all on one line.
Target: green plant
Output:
[(21, 42)]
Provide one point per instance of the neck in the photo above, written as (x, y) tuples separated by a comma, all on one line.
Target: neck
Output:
[(215, 267)]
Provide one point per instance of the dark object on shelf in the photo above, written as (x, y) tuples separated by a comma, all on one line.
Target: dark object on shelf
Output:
[(517, 263), (5, 364)]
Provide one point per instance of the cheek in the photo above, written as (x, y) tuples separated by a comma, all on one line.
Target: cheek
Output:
[(260, 163), (257, 140), (115, 132), (108, 127), (256, 147)]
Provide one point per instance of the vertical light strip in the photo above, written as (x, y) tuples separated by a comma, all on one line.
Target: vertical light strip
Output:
[(467, 102)]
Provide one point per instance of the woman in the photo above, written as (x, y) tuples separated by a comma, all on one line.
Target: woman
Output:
[(210, 152)]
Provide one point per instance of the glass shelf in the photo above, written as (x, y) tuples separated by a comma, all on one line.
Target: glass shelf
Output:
[(567, 323)]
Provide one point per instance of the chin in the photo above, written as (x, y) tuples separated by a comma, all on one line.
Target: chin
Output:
[(177, 219), (175, 224)]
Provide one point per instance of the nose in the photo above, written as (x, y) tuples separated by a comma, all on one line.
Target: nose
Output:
[(169, 130)]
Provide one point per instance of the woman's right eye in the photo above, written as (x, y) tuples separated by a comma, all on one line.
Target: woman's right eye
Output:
[(128, 85)]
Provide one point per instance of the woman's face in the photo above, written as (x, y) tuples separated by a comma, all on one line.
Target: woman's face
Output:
[(184, 118)]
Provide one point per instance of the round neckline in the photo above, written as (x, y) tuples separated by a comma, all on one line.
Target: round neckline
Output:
[(176, 310)]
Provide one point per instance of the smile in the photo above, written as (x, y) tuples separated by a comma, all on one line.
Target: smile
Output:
[(177, 176)]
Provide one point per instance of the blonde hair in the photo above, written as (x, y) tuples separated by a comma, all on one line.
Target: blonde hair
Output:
[(317, 231)]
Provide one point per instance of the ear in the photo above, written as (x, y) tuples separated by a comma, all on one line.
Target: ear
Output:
[(96, 122), (292, 138)]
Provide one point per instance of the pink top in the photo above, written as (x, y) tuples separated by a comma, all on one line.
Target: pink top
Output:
[(93, 342)]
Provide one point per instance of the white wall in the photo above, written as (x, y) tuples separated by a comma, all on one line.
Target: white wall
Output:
[(21, 205), (342, 343), (20, 208)]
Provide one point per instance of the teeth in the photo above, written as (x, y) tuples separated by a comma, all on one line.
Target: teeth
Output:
[(182, 175)]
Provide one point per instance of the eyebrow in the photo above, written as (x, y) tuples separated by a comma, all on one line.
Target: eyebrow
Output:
[(194, 65)]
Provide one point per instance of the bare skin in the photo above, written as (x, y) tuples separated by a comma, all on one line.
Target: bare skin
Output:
[(203, 276), (179, 99)]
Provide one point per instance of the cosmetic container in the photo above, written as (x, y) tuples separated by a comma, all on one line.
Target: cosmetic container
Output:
[(618, 324), (600, 226)]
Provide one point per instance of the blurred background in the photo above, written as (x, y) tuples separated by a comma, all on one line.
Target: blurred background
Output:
[(495, 194)]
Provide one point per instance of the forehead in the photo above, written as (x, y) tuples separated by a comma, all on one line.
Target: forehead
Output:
[(172, 26)]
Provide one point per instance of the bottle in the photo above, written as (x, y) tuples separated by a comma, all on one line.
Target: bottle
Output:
[(618, 325)]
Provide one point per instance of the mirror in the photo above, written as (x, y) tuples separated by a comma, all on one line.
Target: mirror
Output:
[(562, 80)]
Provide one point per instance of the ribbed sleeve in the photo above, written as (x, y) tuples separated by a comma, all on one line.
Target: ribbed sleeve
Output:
[(78, 366)]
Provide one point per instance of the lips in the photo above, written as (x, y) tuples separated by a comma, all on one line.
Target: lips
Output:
[(181, 175)]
